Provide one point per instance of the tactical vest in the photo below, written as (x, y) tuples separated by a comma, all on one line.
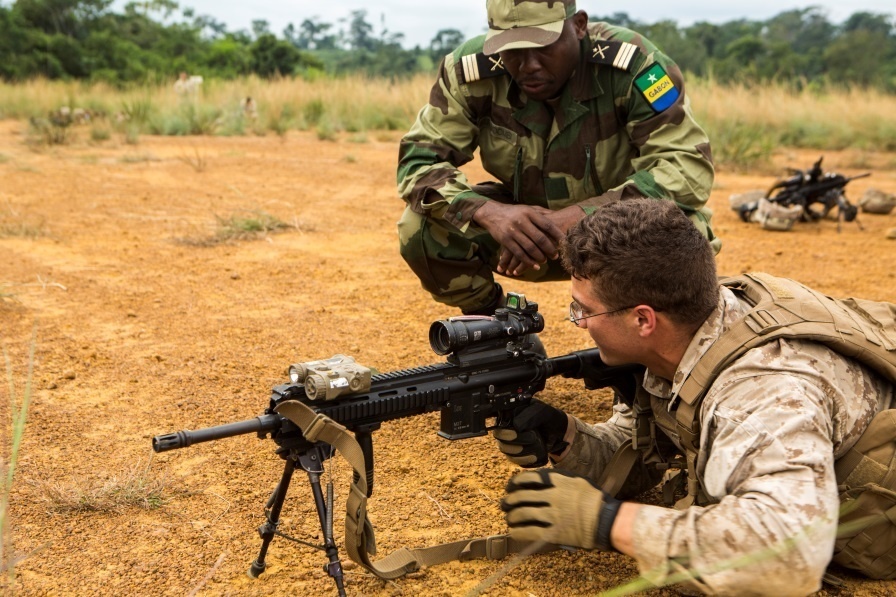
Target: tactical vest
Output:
[(860, 329)]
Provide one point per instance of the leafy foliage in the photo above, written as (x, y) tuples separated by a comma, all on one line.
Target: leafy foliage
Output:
[(154, 40)]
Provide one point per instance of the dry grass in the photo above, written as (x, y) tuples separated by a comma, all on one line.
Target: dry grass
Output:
[(352, 103), (247, 225), (16, 223), (745, 122), (6, 295), (196, 161), (137, 487), (826, 119)]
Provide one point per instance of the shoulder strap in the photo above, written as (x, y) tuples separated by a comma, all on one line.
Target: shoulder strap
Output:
[(359, 537), (860, 329), (864, 330), (618, 54), (479, 66), (873, 458), (475, 67)]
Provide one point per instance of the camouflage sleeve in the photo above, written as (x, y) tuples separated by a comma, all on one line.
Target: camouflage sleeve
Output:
[(442, 139), (594, 445), (674, 158), (773, 425)]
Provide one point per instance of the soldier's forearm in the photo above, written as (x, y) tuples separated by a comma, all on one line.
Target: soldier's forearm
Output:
[(621, 534)]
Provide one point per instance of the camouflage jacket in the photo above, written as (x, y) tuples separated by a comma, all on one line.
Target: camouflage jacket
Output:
[(615, 131), (773, 424)]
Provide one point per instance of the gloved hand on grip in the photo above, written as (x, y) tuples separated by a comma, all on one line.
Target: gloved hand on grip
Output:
[(537, 430), (558, 507)]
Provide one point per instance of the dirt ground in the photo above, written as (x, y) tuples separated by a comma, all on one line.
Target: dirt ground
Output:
[(144, 326)]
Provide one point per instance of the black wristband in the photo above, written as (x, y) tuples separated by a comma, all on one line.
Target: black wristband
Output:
[(608, 511)]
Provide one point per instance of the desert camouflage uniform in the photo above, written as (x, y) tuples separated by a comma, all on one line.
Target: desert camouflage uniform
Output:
[(601, 140), (773, 424)]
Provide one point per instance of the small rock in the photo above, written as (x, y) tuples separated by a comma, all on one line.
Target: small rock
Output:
[(877, 202)]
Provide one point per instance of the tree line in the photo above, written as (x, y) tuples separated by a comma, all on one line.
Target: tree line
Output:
[(154, 40)]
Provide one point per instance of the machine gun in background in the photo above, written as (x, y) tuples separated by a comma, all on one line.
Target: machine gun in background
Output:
[(493, 368), (816, 192)]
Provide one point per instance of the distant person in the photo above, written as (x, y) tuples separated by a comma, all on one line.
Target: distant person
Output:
[(250, 111), (567, 116), (187, 86)]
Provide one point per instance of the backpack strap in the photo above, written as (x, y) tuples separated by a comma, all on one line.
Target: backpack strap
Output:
[(633, 450), (782, 308), (873, 458), (786, 309)]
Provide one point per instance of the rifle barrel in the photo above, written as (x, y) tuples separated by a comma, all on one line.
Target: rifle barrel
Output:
[(183, 439)]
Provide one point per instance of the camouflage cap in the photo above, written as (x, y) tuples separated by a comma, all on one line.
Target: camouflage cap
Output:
[(515, 24)]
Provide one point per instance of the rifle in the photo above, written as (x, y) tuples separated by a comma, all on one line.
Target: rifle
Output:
[(805, 189), (494, 367)]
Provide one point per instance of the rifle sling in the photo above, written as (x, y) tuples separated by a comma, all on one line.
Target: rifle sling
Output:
[(617, 470), (359, 536)]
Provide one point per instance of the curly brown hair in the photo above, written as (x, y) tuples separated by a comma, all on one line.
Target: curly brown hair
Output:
[(645, 251)]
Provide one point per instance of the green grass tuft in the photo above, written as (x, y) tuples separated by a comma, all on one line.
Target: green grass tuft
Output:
[(10, 446)]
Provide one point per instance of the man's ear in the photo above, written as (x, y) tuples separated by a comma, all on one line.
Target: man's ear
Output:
[(646, 318), (580, 24)]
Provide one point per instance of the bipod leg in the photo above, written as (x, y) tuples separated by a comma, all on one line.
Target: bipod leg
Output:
[(272, 515), (312, 462)]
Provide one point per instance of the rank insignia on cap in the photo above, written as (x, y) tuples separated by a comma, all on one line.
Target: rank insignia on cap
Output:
[(613, 53), (479, 66), (657, 88)]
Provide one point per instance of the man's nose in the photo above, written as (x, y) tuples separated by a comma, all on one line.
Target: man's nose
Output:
[(528, 61)]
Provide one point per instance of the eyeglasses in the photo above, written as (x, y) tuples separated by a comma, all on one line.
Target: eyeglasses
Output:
[(577, 313)]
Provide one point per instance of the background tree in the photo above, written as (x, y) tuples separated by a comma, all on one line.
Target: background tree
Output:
[(150, 40), (272, 57), (359, 35), (863, 52), (445, 41)]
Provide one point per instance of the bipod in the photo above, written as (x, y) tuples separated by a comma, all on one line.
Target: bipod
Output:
[(312, 462)]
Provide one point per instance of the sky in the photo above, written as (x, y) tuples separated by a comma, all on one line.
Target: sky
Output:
[(420, 20)]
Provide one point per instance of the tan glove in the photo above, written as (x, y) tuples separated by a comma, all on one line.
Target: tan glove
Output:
[(560, 508)]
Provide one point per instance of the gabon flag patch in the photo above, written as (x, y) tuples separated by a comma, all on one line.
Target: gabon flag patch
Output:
[(657, 88)]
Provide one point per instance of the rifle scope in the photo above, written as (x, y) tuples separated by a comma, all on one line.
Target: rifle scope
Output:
[(518, 318)]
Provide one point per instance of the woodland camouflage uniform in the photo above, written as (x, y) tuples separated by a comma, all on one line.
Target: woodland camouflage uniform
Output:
[(622, 127)]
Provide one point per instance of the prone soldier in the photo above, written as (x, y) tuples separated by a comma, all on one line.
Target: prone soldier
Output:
[(769, 434)]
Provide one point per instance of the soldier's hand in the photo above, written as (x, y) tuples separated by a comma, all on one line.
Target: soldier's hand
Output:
[(560, 508), (527, 235), (536, 431)]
